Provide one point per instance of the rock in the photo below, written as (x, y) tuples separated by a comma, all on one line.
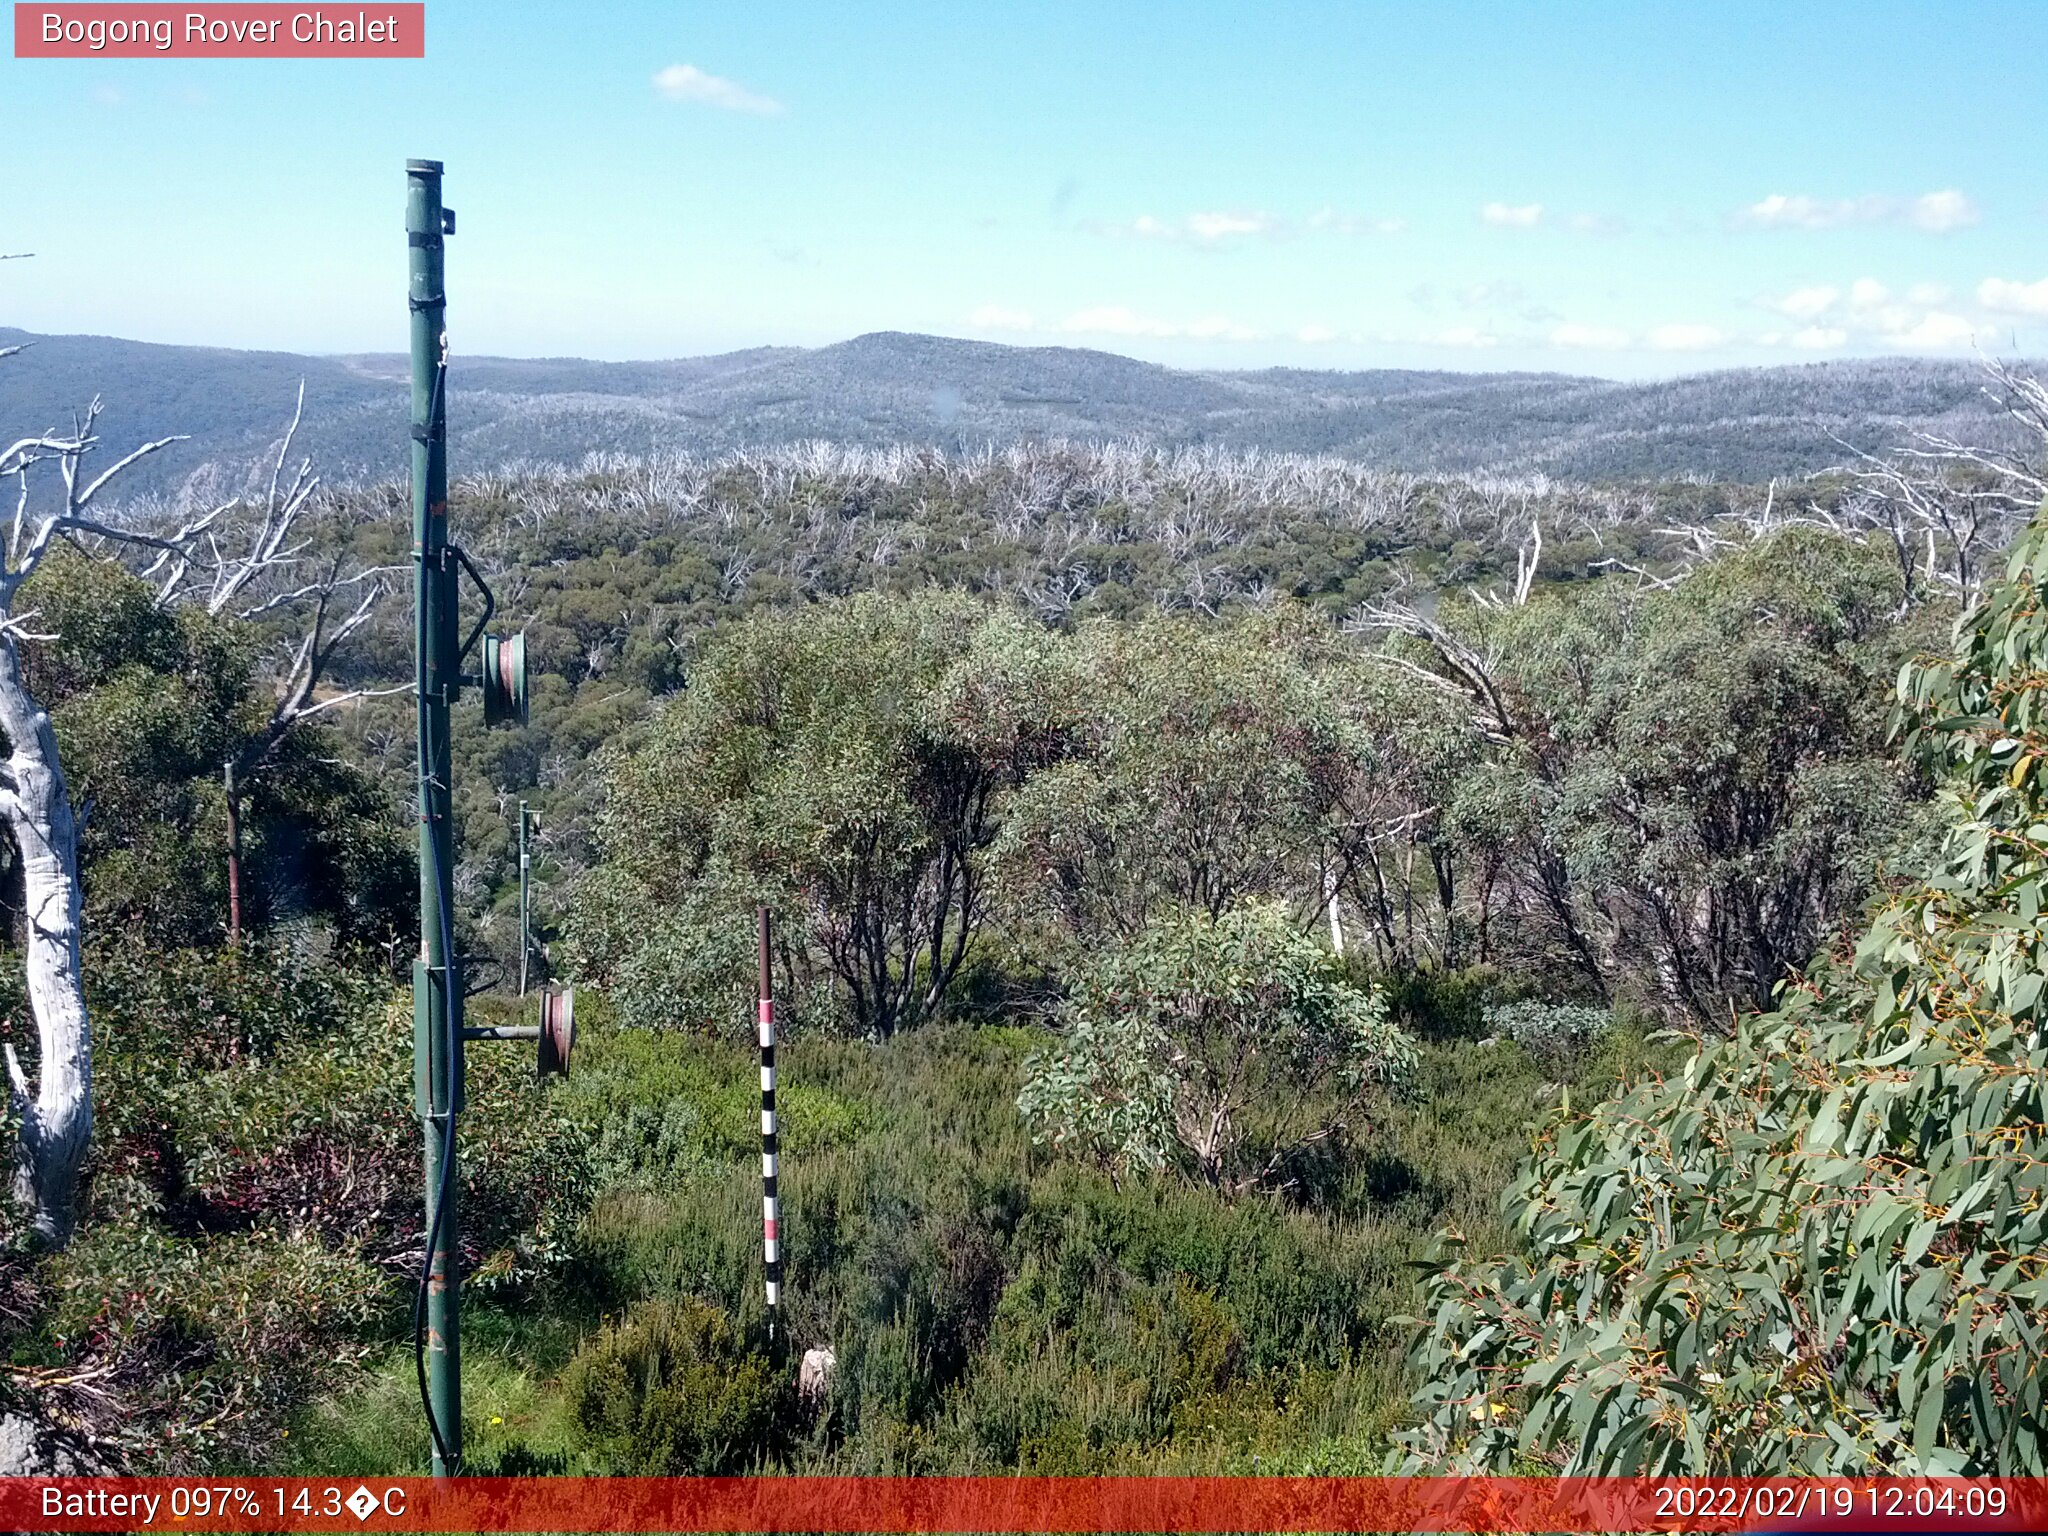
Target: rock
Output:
[(29, 1450), (814, 1375)]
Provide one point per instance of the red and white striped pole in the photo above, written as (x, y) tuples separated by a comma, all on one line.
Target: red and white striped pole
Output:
[(771, 1204)]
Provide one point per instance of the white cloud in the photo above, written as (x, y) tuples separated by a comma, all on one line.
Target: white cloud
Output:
[(1779, 211), (1799, 212), (104, 95), (1686, 338), (1810, 338), (1216, 328), (1315, 335), (1116, 320), (1935, 212), (2011, 298), (1504, 216), (1936, 330), (1351, 223), (1222, 226), (1589, 338), (1808, 303), (995, 317), (686, 82), (1940, 212), (1199, 228), (1486, 295), (1868, 313), (1819, 338)]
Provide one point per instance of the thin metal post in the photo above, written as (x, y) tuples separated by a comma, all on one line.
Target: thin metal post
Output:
[(771, 1204), (437, 990), (525, 922)]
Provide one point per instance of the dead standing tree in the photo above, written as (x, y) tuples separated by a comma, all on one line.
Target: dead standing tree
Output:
[(239, 557), (1948, 508), (56, 1117), (256, 566)]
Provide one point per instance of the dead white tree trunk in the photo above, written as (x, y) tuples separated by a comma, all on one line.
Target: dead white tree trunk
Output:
[(1331, 901), (56, 1117), (56, 1113), (1527, 559), (248, 560)]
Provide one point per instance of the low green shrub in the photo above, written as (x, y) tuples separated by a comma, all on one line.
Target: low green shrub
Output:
[(1439, 1005), (170, 1354), (993, 1307), (1562, 1036), (672, 1390), (1224, 1047), (662, 1104)]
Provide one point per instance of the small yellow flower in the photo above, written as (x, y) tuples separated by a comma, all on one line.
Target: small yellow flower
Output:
[(496, 1420)]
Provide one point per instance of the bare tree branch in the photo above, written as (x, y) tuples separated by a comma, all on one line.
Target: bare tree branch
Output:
[(1465, 670), (243, 548)]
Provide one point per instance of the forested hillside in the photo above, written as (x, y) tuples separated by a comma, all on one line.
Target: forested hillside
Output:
[(890, 389), (1198, 875)]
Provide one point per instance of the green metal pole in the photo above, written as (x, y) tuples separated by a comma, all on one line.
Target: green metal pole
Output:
[(525, 923), (437, 993)]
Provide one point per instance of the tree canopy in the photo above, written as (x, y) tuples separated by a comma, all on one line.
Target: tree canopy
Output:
[(149, 703), (1222, 1045), (1819, 1247)]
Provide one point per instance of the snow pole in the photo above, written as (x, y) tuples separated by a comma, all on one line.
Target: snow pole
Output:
[(771, 1204)]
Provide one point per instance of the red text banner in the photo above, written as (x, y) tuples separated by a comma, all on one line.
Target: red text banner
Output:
[(118, 31), (1024, 1504)]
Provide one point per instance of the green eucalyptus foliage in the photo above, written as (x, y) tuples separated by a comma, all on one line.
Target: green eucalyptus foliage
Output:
[(1204, 766), (1222, 1046), (1448, 849), (1695, 792), (255, 1087), (931, 790), (1820, 1248), (149, 704), (187, 1354), (841, 765), (253, 1198)]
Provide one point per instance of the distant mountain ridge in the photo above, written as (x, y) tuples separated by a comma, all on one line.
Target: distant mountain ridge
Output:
[(1744, 424)]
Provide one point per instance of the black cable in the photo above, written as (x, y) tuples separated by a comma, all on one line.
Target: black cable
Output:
[(444, 894)]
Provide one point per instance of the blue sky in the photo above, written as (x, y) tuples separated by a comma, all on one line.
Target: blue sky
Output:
[(1627, 189)]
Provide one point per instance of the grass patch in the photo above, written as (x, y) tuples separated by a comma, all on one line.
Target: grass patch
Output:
[(992, 1307)]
